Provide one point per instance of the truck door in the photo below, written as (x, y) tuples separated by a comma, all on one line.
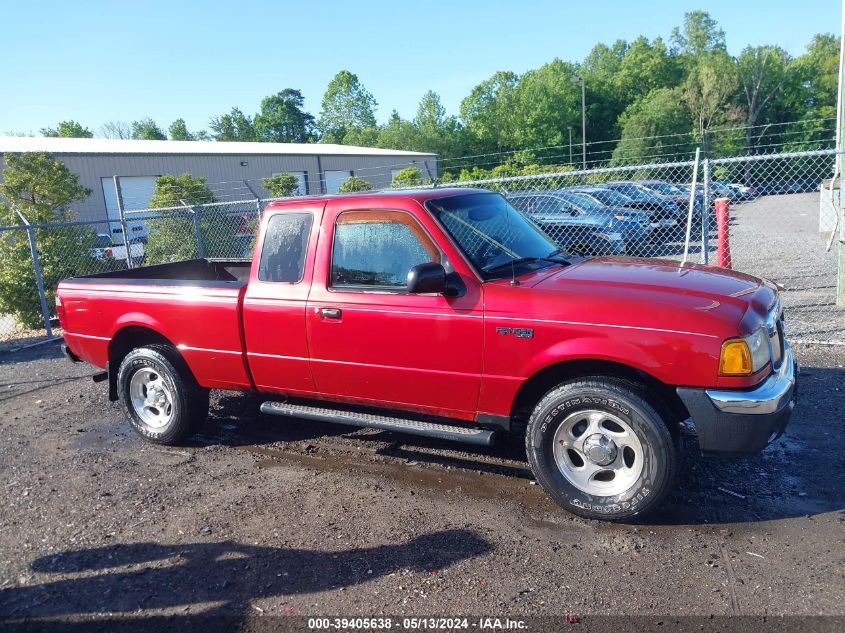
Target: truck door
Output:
[(274, 304), (372, 342)]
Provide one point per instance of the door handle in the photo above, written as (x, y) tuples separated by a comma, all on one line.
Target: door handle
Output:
[(331, 313)]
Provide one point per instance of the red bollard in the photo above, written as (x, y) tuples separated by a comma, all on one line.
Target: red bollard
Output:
[(723, 252)]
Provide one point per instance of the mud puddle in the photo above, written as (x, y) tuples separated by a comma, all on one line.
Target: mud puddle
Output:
[(484, 485)]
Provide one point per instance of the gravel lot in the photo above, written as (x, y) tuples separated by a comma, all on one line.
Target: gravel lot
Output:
[(260, 516), (777, 237)]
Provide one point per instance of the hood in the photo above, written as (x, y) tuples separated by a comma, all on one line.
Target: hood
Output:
[(658, 293)]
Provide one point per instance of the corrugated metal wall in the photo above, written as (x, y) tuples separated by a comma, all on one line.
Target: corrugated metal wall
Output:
[(226, 173)]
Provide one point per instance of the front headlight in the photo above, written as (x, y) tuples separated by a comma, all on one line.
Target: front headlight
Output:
[(744, 356)]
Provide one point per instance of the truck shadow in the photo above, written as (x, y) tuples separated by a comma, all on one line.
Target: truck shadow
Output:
[(774, 484), (217, 578)]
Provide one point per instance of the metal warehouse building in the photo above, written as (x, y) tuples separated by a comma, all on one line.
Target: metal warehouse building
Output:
[(234, 171)]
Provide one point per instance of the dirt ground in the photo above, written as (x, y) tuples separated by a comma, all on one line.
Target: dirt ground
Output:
[(261, 516)]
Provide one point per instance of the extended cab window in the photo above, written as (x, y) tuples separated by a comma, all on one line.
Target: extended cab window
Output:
[(378, 248), (285, 244)]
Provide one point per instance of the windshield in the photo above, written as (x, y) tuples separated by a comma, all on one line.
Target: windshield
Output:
[(636, 193), (609, 197), (664, 187), (584, 202), (491, 232)]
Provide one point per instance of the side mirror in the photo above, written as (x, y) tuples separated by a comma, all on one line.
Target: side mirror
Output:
[(428, 278)]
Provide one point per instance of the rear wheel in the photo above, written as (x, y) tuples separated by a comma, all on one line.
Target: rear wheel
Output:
[(161, 397), (600, 450)]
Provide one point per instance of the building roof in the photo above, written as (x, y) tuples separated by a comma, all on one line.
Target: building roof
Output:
[(123, 146)]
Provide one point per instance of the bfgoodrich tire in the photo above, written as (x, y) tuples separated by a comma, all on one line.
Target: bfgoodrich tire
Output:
[(600, 450), (164, 403)]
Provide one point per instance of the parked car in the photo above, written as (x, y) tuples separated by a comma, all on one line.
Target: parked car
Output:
[(642, 195), (578, 224), (666, 190), (104, 249), (447, 313), (801, 185), (664, 224), (744, 192)]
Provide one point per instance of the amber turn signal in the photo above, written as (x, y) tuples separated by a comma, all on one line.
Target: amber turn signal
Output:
[(735, 359)]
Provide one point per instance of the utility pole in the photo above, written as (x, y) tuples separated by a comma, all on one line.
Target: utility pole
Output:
[(570, 144), (840, 159), (578, 79)]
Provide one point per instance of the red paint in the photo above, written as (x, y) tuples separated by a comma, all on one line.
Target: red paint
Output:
[(723, 254), (431, 354)]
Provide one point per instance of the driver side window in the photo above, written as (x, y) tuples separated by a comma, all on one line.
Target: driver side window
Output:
[(376, 249)]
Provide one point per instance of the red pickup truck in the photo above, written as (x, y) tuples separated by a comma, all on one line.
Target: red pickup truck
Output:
[(447, 313)]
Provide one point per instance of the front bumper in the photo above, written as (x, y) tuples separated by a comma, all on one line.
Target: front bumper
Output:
[(741, 422)]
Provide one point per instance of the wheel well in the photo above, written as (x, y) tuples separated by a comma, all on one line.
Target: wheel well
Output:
[(660, 395), (127, 339)]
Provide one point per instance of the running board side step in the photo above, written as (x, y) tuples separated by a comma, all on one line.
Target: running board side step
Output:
[(480, 437)]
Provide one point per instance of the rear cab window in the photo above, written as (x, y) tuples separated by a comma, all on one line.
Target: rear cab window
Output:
[(284, 248)]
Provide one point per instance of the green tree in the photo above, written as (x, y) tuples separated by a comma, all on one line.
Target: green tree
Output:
[(708, 91), (809, 95), (655, 128), (43, 190), (435, 131), (407, 178), (353, 184), (762, 75), (233, 126), (178, 131), (346, 105), (398, 133), (545, 104), (488, 114), (283, 120), (68, 129), (147, 130), (172, 237), (281, 185), (363, 136), (700, 34), (646, 66)]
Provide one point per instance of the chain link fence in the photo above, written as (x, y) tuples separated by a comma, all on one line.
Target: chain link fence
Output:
[(781, 220)]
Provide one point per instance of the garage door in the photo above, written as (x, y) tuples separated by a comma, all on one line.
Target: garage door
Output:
[(335, 178), (137, 192)]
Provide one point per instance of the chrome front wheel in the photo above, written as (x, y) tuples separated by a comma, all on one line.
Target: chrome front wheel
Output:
[(598, 452)]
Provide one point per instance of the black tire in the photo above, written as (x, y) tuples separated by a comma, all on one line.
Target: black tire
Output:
[(625, 400), (187, 402)]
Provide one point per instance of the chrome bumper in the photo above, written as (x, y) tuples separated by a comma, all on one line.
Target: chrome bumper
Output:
[(768, 397), (742, 422)]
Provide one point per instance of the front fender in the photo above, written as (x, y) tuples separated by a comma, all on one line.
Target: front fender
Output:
[(593, 348)]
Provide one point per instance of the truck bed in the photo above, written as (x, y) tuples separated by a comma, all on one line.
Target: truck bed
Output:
[(192, 272), (194, 304)]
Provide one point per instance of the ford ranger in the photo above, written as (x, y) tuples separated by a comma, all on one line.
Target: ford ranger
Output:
[(447, 313)]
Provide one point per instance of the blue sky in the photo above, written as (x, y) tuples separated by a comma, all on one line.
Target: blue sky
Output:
[(98, 61)]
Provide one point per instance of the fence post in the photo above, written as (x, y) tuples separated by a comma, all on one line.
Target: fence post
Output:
[(36, 268), (126, 246), (692, 194), (39, 280), (197, 231), (705, 215), (840, 165)]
